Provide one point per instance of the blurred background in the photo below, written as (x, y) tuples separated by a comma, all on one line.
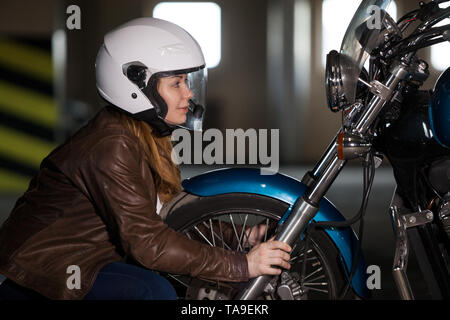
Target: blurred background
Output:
[(266, 62)]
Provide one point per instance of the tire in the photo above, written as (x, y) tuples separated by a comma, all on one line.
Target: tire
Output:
[(324, 276)]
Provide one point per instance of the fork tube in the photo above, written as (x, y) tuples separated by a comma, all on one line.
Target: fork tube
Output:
[(306, 207), (378, 102), (326, 158), (318, 190)]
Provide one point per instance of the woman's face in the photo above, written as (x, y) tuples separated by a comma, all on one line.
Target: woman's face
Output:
[(176, 93)]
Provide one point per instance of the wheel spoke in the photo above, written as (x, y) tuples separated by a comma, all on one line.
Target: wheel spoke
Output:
[(315, 264), (212, 233), (315, 284), (177, 278), (314, 272), (302, 275), (301, 254), (203, 236), (241, 238), (316, 278), (319, 290), (216, 235), (239, 248), (294, 247), (300, 261), (267, 229)]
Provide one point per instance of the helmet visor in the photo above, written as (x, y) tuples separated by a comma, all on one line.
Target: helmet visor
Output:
[(197, 104)]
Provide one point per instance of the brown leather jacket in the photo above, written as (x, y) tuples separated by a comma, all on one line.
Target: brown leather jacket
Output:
[(93, 202)]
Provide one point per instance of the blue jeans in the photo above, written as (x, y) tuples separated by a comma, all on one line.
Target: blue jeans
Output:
[(115, 281), (122, 281)]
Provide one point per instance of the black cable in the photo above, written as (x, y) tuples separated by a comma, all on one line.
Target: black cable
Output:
[(421, 45), (348, 222), (427, 181), (368, 181), (408, 15), (369, 173), (429, 33)]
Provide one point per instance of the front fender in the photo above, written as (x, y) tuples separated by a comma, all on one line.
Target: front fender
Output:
[(286, 189)]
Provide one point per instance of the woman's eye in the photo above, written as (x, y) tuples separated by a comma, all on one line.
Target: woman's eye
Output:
[(179, 82)]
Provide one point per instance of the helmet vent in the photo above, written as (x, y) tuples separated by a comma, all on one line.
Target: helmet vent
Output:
[(136, 72)]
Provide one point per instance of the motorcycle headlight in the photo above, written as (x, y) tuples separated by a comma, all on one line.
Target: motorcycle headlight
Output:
[(333, 82)]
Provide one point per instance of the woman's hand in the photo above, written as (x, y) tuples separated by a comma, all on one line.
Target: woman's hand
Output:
[(264, 256)]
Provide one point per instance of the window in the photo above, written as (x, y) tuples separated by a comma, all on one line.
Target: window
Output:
[(201, 19), (336, 16), (439, 53)]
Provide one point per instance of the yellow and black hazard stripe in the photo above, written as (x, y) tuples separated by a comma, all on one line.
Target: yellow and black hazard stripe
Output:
[(28, 111)]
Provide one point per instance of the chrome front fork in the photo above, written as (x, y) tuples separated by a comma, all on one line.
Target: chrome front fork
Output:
[(322, 177)]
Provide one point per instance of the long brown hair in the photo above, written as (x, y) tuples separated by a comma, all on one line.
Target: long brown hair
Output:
[(157, 152)]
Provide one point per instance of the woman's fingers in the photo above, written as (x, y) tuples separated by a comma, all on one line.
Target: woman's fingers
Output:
[(279, 262), (279, 245), (272, 266), (278, 258), (278, 254), (265, 257)]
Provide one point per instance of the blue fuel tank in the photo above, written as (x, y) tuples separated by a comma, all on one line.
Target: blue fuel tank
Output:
[(439, 109)]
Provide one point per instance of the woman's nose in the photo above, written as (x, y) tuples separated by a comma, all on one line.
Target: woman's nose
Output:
[(189, 94)]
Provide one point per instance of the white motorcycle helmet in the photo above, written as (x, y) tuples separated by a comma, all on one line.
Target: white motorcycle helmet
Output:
[(132, 59)]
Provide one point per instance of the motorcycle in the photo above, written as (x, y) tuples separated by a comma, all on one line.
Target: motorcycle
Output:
[(384, 114)]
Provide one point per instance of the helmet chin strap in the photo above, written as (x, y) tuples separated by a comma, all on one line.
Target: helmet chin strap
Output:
[(151, 91)]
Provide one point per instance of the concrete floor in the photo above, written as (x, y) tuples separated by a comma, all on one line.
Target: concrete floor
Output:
[(346, 194)]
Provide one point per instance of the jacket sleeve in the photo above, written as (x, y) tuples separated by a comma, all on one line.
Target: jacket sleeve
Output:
[(115, 176)]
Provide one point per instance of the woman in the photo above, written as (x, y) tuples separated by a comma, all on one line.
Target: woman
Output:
[(93, 205)]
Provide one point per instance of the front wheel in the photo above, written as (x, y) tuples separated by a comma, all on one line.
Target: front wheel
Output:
[(220, 221)]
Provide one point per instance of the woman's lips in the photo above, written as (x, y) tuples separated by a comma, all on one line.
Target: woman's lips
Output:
[(185, 109)]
